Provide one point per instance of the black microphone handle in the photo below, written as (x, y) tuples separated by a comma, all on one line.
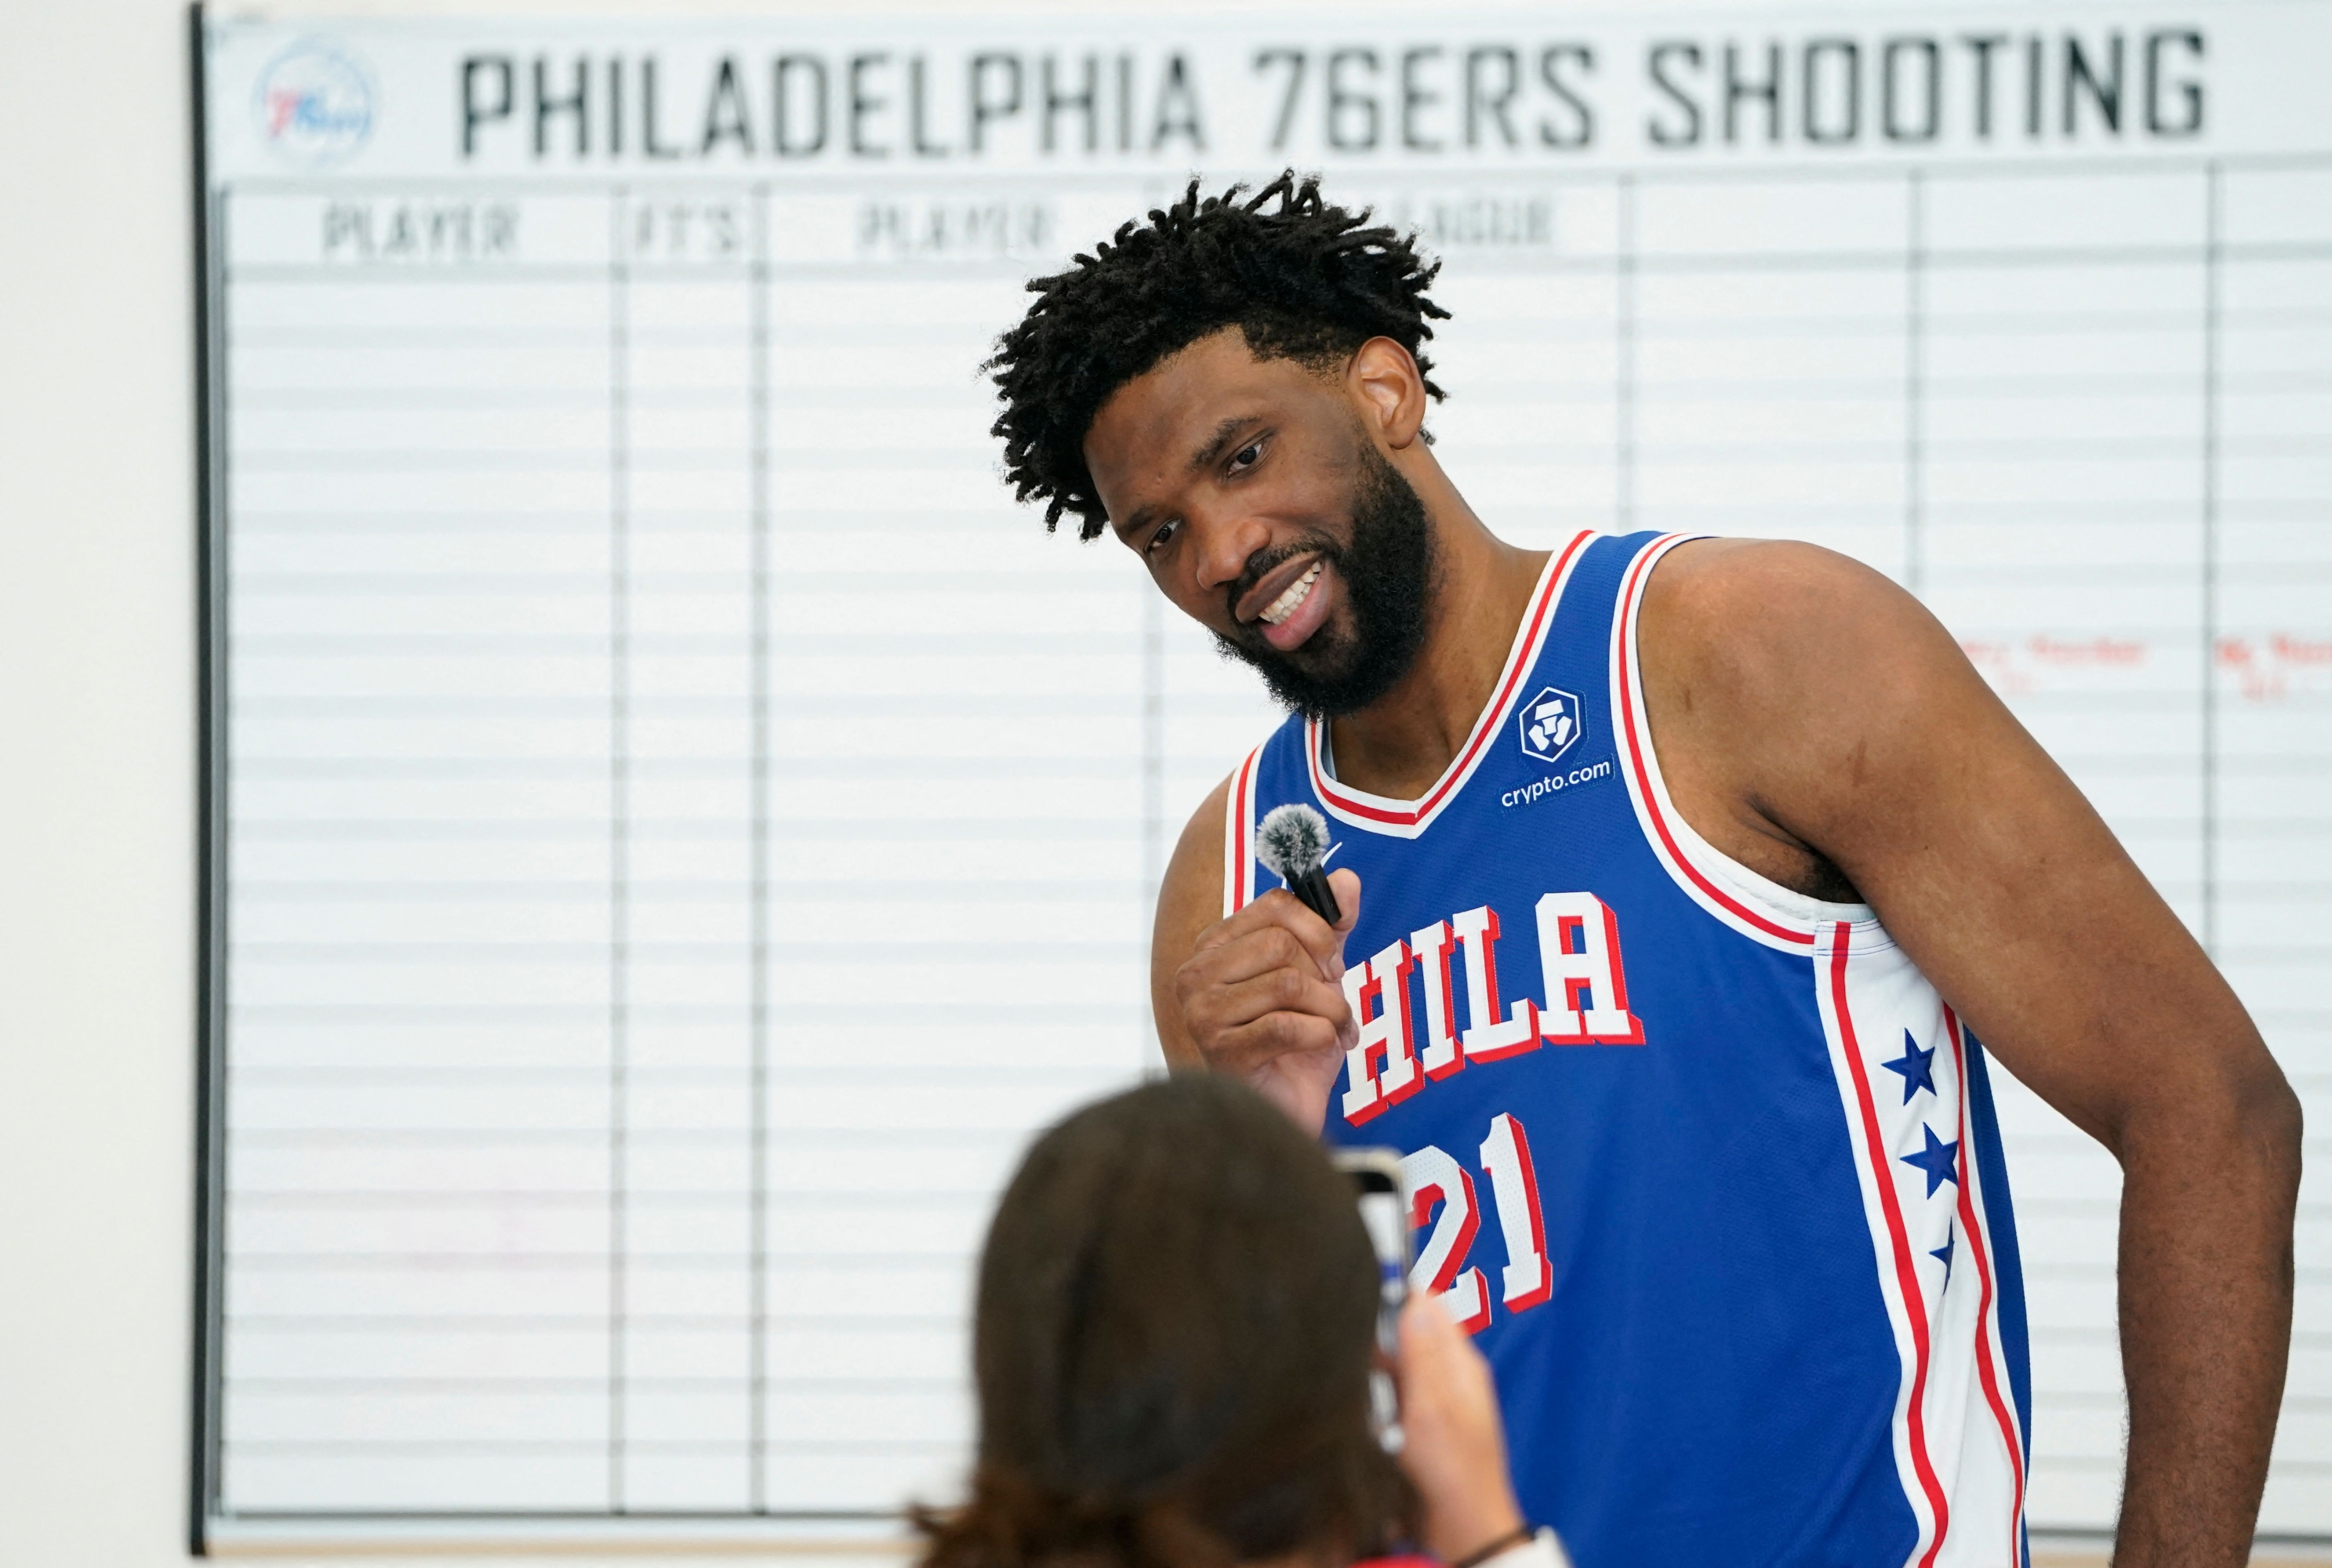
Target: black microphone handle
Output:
[(1312, 888)]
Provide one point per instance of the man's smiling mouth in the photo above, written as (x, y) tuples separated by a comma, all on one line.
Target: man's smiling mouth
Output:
[(1292, 597)]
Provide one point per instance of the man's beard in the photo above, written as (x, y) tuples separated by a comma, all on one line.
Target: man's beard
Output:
[(1388, 573)]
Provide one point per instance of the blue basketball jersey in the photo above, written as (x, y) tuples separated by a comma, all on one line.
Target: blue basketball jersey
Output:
[(1708, 1166)]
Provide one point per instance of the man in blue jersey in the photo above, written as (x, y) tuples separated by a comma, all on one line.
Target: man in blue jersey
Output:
[(1678, 882)]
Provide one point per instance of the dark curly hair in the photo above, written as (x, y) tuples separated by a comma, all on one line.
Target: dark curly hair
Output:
[(1301, 280)]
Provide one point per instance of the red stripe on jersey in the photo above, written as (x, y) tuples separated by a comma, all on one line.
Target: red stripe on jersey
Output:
[(1242, 867), (1639, 743), (1907, 1275)]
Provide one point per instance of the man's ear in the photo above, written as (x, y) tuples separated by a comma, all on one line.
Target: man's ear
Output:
[(1382, 379)]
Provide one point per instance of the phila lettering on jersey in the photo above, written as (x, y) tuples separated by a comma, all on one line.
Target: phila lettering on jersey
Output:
[(1751, 1291)]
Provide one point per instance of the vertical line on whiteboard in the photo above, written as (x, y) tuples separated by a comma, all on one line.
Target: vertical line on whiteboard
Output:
[(1915, 328), (759, 939), (2211, 262), (1623, 391), (618, 813)]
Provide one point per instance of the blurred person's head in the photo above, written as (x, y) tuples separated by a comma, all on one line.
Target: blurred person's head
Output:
[(1174, 1333)]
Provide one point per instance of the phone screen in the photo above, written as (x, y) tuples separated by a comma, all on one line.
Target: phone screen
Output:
[(1375, 1177)]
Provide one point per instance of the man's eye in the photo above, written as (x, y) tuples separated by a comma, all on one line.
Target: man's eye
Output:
[(1158, 538), (1246, 457)]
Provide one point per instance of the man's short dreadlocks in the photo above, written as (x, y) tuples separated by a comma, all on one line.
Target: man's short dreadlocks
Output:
[(1303, 280)]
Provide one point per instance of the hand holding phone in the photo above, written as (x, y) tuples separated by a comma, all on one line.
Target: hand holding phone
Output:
[(1456, 1452), (1383, 1203)]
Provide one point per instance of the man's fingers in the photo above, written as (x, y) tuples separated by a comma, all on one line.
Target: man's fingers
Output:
[(1249, 1045), (1280, 910), (1269, 931), (1346, 887), (1280, 990), (1258, 952), (1266, 982)]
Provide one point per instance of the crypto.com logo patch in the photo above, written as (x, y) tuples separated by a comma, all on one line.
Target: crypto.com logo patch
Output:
[(1551, 723)]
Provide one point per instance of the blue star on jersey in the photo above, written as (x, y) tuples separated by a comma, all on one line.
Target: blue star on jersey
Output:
[(1917, 1067), (1939, 1160), (1951, 1240)]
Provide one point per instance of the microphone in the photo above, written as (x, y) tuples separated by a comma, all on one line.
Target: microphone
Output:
[(1291, 841)]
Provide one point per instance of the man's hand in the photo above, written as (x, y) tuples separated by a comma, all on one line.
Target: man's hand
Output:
[(1456, 1452), (1259, 994), (1262, 998)]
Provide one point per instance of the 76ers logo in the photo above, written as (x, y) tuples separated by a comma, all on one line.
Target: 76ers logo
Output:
[(313, 104), (1402, 1049), (1552, 724)]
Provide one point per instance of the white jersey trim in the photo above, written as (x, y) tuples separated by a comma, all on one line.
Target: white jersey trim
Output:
[(1958, 1452), (1758, 908), (1976, 1233), (1410, 818)]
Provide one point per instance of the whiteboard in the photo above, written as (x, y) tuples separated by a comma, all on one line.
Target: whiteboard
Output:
[(675, 827)]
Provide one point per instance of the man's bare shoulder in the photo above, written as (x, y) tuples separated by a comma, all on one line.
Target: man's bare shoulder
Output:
[(1774, 643), (1737, 605), (1796, 696), (1194, 872)]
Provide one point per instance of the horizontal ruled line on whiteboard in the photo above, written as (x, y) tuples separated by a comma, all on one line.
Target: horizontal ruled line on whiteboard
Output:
[(558, 398), (407, 526), (1652, 321), (596, 1014), (677, 1262), (563, 397), (844, 704), (886, 828), (952, 1137), (579, 458), (674, 1200), (1646, 259), (716, 1449), (505, 1386), (429, 1322), (780, 1074), (1762, 453), (1076, 888), (920, 765), (876, 577), (890, 951)]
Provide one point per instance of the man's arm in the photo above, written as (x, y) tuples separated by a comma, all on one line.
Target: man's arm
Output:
[(1260, 995), (1803, 705)]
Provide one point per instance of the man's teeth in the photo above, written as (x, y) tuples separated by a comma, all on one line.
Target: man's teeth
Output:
[(1280, 609)]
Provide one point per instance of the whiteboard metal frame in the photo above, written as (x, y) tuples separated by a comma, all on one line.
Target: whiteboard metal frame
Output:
[(211, 783), (852, 1533)]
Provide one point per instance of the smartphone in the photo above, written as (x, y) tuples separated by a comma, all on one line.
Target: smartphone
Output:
[(1383, 1200)]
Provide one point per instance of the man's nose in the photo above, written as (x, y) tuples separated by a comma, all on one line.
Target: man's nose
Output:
[(1226, 542)]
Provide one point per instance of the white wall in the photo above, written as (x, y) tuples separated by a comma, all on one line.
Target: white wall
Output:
[(97, 804)]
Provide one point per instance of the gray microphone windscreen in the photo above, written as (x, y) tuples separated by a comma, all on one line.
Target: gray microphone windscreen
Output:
[(1291, 840)]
